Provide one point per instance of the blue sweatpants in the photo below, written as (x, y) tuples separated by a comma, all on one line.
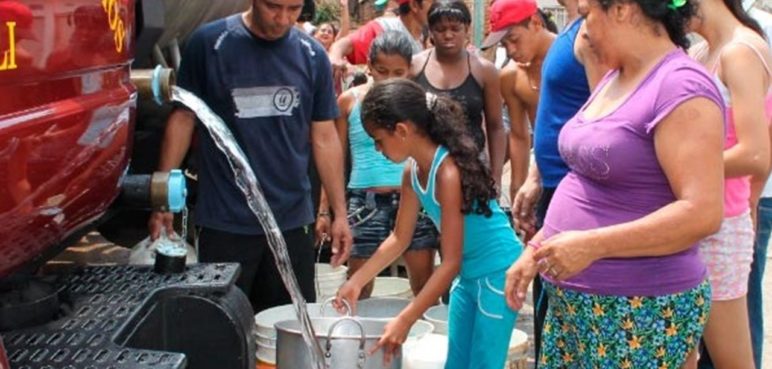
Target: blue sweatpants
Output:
[(479, 323)]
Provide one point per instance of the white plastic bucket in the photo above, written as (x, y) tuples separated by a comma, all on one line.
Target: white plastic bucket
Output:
[(392, 287), (266, 319), (266, 353), (328, 280), (428, 352), (438, 315)]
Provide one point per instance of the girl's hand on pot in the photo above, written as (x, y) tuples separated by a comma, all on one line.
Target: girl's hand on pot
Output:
[(350, 293), (394, 335), (565, 255)]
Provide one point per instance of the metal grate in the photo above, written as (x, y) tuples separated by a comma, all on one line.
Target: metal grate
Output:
[(104, 300)]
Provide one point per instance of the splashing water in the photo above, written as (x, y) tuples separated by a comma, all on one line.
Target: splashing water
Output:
[(249, 185)]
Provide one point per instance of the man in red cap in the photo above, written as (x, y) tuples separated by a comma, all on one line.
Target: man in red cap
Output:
[(504, 15), (526, 34), (354, 47)]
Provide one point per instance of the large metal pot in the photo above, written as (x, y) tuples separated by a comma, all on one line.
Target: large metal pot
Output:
[(346, 343)]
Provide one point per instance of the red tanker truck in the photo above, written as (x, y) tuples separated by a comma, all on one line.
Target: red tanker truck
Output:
[(68, 131)]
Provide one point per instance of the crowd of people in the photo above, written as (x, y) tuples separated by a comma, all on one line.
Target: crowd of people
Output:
[(639, 157)]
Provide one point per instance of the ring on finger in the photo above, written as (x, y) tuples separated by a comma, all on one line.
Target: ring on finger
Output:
[(552, 271)]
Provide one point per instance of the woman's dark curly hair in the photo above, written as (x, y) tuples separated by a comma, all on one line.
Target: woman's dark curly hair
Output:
[(442, 120), (675, 20)]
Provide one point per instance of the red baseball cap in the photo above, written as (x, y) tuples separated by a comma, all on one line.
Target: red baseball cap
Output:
[(505, 14), (402, 2)]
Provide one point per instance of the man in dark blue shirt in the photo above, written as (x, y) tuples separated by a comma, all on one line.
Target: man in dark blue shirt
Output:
[(272, 86)]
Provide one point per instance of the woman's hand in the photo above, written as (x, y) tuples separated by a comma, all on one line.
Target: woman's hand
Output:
[(394, 335), (566, 254), (519, 276), (350, 292)]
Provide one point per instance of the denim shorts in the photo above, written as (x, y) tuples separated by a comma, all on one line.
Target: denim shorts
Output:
[(372, 217)]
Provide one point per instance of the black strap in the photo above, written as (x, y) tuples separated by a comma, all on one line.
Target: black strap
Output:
[(427, 61)]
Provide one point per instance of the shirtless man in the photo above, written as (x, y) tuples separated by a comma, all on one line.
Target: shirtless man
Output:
[(526, 45)]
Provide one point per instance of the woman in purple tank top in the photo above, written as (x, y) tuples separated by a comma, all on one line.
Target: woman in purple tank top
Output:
[(618, 250)]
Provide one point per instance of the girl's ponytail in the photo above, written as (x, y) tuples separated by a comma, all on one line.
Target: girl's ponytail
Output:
[(447, 128)]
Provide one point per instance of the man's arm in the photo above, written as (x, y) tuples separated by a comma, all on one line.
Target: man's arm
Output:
[(174, 147), (519, 135), (328, 157), (345, 20), (338, 51), (177, 138), (345, 101)]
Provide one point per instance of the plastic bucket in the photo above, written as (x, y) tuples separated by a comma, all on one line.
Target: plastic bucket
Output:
[(429, 352), (438, 315), (266, 354), (266, 319), (328, 280), (392, 287)]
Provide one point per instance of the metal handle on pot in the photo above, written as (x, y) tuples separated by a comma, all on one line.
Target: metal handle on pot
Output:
[(361, 357), (329, 302)]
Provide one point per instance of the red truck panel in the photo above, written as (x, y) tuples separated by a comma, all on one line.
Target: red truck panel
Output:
[(67, 109)]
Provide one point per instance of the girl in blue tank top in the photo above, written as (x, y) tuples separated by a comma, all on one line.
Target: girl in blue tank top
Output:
[(446, 176)]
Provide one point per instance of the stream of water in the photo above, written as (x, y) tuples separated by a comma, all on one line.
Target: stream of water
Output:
[(249, 185)]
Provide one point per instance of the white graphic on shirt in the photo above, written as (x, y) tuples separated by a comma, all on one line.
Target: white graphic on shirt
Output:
[(220, 39), (588, 160), (261, 102), (308, 46)]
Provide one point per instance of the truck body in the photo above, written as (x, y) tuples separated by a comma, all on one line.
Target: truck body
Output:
[(67, 110)]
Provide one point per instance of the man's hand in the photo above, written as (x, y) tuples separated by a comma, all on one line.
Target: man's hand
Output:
[(160, 220), (322, 229), (341, 241), (339, 68), (524, 206)]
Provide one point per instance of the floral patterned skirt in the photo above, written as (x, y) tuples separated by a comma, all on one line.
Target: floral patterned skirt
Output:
[(593, 331)]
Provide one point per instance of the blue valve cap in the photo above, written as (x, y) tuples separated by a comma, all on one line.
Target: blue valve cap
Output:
[(177, 191)]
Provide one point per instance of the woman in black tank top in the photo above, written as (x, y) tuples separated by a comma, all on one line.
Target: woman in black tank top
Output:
[(449, 68)]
